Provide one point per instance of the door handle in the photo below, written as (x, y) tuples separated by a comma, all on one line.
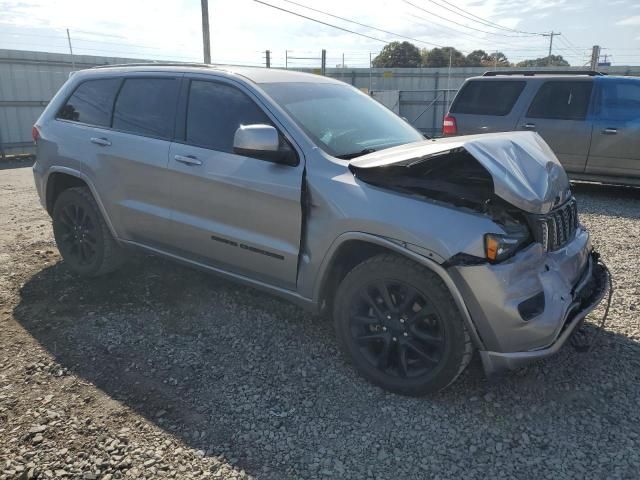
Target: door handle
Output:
[(610, 131), (187, 159), (529, 126), (103, 142)]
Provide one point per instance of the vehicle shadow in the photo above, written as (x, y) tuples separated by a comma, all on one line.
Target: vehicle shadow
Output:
[(241, 374)]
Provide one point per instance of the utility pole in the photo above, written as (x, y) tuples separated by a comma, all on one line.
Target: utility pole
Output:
[(323, 65), (206, 41), (73, 62), (370, 71), (448, 79), (595, 57), (268, 58), (551, 35), (286, 59)]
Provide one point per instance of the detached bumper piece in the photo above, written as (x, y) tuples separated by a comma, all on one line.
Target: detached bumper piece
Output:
[(587, 294)]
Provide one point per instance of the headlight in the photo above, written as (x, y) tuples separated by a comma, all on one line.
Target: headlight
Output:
[(500, 247)]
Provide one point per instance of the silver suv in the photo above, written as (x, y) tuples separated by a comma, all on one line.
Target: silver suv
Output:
[(591, 121), (421, 250)]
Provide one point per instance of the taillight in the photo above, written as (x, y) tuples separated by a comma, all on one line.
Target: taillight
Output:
[(449, 126), (35, 134)]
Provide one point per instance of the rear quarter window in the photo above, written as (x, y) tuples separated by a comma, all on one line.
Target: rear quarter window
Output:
[(91, 102), (488, 97)]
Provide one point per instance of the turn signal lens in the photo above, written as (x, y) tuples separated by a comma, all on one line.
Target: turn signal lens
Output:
[(500, 247), (491, 246), (35, 134)]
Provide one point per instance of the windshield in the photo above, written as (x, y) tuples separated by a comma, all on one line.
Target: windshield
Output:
[(341, 120)]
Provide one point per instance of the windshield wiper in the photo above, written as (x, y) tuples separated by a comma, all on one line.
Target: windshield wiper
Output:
[(349, 156)]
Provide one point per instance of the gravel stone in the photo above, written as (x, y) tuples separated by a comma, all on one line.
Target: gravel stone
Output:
[(158, 371)]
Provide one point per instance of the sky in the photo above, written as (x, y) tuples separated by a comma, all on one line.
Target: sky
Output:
[(242, 30)]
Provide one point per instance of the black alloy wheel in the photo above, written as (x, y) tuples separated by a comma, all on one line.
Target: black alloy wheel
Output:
[(396, 329), (82, 236), (398, 323)]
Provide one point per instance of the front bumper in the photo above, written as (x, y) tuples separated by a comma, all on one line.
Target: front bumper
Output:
[(586, 295)]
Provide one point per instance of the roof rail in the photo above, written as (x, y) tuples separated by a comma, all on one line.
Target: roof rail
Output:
[(155, 64), (531, 73)]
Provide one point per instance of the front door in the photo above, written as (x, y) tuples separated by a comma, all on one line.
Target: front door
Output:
[(615, 148), (234, 212), (558, 113)]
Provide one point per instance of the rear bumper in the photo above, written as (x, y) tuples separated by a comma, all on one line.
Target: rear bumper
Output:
[(588, 292)]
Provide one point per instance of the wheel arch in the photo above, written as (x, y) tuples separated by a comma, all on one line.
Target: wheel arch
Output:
[(352, 248), (61, 178)]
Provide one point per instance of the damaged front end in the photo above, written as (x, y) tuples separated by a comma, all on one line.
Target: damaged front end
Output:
[(526, 293), (512, 178)]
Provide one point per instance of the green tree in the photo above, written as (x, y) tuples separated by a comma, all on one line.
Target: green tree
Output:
[(439, 57), (478, 58), (497, 59), (400, 55), (556, 61)]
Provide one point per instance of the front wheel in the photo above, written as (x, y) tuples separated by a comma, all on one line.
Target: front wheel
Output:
[(82, 236), (398, 323)]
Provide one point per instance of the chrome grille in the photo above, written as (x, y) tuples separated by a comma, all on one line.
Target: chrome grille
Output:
[(557, 228)]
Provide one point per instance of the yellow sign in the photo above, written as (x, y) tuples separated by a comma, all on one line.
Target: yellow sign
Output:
[(387, 74)]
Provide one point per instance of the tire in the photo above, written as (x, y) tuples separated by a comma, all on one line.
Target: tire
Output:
[(82, 236), (411, 340)]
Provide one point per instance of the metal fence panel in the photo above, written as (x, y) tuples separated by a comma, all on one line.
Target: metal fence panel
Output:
[(28, 80)]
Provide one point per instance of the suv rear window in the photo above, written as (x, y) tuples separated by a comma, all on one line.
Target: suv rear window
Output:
[(91, 102), (147, 106), (495, 97), (561, 101)]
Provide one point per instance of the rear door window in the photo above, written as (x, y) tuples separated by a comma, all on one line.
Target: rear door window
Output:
[(91, 102), (214, 113), (495, 97), (561, 101), (620, 100), (147, 106)]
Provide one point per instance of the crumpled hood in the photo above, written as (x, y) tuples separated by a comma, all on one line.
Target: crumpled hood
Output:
[(525, 172)]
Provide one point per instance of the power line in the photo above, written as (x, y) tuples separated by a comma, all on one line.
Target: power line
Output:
[(504, 43), (458, 23), (361, 24), (476, 18), (321, 22)]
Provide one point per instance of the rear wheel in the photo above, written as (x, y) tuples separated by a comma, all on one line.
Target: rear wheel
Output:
[(82, 236), (398, 323)]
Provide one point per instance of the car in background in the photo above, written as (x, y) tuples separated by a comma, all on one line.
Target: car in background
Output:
[(591, 121)]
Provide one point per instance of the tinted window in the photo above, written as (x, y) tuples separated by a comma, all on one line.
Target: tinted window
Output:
[(215, 112), (488, 97), (147, 106), (620, 100), (91, 102), (561, 100)]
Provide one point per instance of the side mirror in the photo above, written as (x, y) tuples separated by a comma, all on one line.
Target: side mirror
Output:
[(263, 142)]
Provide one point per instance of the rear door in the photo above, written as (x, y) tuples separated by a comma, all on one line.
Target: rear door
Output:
[(124, 149), (484, 106), (231, 211), (559, 113), (615, 147)]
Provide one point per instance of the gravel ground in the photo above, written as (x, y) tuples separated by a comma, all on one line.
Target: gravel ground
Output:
[(159, 371)]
